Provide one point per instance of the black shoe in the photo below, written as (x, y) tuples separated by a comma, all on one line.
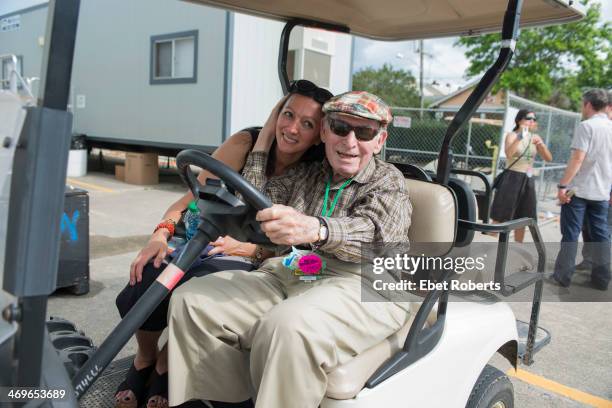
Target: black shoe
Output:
[(158, 387), (599, 286), (584, 266), (552, 279), (135, 381)]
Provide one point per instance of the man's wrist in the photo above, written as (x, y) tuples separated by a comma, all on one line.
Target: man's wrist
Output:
[(322, 233), (561, 186), (313, 229)]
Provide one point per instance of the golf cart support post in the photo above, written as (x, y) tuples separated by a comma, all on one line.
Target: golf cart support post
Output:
[(39, 173)]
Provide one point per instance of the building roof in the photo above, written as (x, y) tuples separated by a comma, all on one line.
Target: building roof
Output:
[(451, 95)]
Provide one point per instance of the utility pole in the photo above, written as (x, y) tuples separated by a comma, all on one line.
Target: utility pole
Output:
[(421, 53)]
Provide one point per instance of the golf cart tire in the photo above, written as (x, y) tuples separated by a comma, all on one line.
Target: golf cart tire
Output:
[(493, 389), (72, 346)]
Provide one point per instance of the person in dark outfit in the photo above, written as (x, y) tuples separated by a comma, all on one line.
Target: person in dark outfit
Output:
[(516, 195), (292, 131)]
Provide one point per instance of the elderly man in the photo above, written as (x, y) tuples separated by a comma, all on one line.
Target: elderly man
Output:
[(589, 176), (301, 314)]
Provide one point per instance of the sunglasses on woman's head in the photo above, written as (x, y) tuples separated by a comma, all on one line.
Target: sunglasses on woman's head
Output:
[(307, 88), (531, 118), (341, 128)]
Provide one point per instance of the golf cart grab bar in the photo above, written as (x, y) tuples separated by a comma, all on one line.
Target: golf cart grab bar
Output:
[(502, 227), (518, 280), (420, 339), (509, 36), (284, 44)]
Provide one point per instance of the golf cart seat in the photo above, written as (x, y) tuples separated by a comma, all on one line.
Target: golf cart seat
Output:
[(434, 220), (467, 206)]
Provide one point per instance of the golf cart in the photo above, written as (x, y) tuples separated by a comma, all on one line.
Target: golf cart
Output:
[(444, 343)]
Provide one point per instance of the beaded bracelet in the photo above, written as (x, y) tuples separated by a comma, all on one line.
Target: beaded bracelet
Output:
[(168, 224)]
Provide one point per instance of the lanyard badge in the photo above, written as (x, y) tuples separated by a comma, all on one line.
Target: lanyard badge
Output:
[(308, 266)]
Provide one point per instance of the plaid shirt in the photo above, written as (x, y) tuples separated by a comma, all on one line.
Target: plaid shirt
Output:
[(375, 207)]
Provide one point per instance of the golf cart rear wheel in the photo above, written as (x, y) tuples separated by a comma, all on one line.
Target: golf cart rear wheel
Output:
[(493, 389)]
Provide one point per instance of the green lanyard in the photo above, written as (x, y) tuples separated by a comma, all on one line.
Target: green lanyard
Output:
[(324, 212)]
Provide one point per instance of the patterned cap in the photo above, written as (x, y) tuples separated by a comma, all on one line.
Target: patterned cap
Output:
[(360, 103)]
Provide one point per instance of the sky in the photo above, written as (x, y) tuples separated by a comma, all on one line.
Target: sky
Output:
[(443, 63)]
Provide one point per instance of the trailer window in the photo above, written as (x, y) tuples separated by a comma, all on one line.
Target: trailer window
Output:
[(174, 58)]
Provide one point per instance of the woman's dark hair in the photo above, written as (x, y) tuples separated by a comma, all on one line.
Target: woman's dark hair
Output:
[(522, 113)]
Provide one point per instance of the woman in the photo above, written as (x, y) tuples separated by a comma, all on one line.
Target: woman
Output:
[(291, 134), (516, 195)]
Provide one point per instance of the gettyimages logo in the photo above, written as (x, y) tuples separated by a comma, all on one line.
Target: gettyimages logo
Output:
[(402, 265), (411, 264), (404, 272)]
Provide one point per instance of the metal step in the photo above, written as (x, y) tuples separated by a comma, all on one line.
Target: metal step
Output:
[(542, 338), (519, 281), (102, 393)]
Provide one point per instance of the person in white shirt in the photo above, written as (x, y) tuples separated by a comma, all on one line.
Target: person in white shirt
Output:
[(587, 179)]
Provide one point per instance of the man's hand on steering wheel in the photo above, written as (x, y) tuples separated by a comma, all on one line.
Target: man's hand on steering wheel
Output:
[(287, 226)]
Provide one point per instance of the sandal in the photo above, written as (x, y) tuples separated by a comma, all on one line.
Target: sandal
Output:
[(158, 388), (135, 381)]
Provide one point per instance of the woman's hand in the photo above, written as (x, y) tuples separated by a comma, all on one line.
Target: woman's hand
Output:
[(537, 140), (230, 246), (541, 147), (268, 132), (157, 248)]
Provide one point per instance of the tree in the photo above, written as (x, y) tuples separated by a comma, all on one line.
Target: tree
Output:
[(552, 65), (396, 87)]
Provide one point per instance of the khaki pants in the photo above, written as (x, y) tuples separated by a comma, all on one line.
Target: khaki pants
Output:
[(295, 331)]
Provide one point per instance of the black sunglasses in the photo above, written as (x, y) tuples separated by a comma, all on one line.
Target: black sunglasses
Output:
[(307, 88), (531, 118), (341, 128)]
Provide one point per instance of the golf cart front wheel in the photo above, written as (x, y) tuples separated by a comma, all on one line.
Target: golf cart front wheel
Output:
[(493, 389)]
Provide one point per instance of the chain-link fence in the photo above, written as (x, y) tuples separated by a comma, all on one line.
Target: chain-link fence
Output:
[(416, 135)]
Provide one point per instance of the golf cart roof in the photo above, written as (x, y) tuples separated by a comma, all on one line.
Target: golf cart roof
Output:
[(408, 19)]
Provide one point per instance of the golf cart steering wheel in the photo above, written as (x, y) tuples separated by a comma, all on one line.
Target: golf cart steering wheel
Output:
[(186, 158)]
